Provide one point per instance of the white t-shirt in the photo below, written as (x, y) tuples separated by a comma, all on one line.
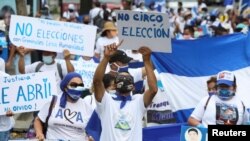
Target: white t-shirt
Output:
[(121, 124), (94, 12), (6, 123), (66, 123), (219, 111), (90, 100), (32, 69), (103, 41), (67, 14)]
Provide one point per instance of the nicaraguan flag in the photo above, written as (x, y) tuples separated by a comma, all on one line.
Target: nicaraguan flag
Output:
[(184, 72)]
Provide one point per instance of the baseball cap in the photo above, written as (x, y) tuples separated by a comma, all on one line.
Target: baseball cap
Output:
[(225, 77), (120, 56), (71, 6)]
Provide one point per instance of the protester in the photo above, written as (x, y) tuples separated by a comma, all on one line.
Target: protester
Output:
[(7, 122), (211, 86), (119, 62), (108, 81), (95, 11), (108, 36), (71, 14), (122, 115), (213, 110), (69, 115), (48, 64), (6, 47)]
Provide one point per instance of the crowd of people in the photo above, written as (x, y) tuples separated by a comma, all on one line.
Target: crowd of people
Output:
[(113, 98)]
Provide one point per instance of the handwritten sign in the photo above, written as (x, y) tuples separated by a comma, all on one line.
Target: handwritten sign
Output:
[(25, 93), (190, 133), (144, 29), (52, 35), (85, 68)]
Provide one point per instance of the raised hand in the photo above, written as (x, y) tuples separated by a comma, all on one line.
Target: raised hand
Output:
[(111, 49), (66, 54), (21, 50), (146, 52)]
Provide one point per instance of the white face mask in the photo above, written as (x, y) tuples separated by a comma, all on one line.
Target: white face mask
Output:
[(111, 91), (120, 69), (47, 59)]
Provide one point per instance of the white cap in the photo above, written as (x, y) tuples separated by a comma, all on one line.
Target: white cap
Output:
[(71, 6), (225, 77)]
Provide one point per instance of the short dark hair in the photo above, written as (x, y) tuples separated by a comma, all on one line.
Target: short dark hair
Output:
[(97, 4), (107, 79), (212, 79), (6, 9), (193, 129)]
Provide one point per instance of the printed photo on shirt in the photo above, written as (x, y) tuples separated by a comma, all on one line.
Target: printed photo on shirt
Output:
[(226, 114)]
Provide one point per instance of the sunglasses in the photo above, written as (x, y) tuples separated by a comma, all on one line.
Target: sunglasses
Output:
[(74, 85)]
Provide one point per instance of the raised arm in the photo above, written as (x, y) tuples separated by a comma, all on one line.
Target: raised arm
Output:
[(70, 67), (100, 70), (151, 78), (21, 62)]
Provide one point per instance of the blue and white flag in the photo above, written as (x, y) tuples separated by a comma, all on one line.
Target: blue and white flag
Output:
[(185, 71)]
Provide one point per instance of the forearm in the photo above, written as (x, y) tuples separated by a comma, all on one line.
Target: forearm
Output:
[(38, 126), (193, 122), (97, 80), (21, 65), (151, 78), (70, 67), (12, 53)]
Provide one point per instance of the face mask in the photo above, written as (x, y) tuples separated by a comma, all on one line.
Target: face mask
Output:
[(124, 84), (189, 22), (121, 69), (47, 59), (225, 94), (211, 93), (75, 93), (112, 91), (71, 10)]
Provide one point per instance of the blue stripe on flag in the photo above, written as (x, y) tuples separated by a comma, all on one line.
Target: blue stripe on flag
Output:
[(206, 56)]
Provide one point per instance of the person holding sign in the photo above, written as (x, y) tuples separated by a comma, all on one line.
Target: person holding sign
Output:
[(48, 64), (69, 115), (222, 108), (108, 36), (6, 123), (121, 115)]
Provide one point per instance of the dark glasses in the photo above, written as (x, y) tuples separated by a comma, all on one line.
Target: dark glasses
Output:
[(74, 85)]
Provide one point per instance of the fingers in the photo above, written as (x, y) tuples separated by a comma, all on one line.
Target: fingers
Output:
[(91, 138), (120, 43), (144, 50), (40, 137), (9, 113)]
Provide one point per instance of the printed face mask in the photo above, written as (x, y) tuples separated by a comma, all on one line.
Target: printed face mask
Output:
[(124, 83), (47, 59), (225, 94), (75, 93)]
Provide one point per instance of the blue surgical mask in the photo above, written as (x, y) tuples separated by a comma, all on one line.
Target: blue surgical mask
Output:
[(47, 59), (75, 93), (225, 94)]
